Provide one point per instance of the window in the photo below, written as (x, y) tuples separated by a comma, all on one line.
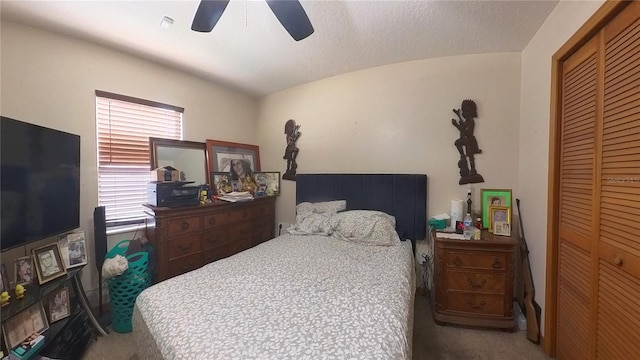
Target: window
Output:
[(124, 125)]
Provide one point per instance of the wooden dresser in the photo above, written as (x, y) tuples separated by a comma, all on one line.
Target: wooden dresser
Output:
[(474, 281), (187, 238)]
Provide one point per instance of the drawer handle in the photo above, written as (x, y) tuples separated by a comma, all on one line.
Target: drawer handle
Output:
[(478, 285), (212, 221), (185, 248), (212, 239), (497, 264), (617, 260), (245, 214), (185, 225), (186, 268), (457, 261), (473, 305)]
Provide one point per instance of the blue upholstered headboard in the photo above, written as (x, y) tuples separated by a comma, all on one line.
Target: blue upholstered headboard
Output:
[(401, 195)]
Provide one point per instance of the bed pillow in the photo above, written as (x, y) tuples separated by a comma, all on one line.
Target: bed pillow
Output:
[(321, 207), (310, 223), (366, 227)]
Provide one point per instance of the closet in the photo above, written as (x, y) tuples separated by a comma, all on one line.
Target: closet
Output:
[(593, 300)]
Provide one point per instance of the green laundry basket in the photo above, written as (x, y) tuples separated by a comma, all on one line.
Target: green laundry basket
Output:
[(125, 288)]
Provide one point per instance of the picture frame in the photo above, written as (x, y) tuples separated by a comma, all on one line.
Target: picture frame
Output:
[(268, 183), (48, 262), (499, 214), (23, 270), (4, 278), (73, 249), (502, 228), (500, 197), (59, 305), (221, 183), (24, 324), (220, 154)]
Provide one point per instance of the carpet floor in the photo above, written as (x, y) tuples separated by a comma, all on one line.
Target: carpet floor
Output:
[(430, 341)]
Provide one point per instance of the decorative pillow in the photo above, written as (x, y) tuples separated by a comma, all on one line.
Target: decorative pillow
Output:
[(366, 227), (321, 207), (309, 223)]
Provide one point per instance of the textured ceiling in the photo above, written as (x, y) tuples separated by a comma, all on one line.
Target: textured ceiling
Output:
[(249, 50)]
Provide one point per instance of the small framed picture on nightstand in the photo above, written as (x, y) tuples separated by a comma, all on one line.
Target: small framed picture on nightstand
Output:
[(502, 228)]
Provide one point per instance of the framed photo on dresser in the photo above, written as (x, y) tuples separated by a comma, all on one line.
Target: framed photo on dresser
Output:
[(268, 183), (221, 153)]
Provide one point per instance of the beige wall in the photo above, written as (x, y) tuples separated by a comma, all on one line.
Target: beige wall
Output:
[(533, 163), (50, 80), (397, 119)]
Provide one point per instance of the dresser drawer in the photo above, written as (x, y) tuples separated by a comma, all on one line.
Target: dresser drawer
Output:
[(240, 230), (489, 261), (216, 237), (261, 211), (475, 303), (478, 282), (184, 246), (226, 250), (263, 224), (183, 226), (184, 264), (222, 218), (260, 237)]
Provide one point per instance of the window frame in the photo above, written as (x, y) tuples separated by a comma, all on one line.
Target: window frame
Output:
[(110, 163)]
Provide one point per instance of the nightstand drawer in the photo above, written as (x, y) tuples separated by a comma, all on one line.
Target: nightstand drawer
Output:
[(183, 225), (477, 282), (184, 246), (184, 264), (211, 220), (489, 261), (475, 303)]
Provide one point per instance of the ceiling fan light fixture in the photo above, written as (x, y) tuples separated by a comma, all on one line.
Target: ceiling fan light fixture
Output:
[(289, 13), (166, 22)]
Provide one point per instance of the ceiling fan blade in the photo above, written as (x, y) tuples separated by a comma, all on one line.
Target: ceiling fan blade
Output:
[(292, 17), (208, 14)]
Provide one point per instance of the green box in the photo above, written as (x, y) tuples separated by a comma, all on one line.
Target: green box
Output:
[(438, 224)]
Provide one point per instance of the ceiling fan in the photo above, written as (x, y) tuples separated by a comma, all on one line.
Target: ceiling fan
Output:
[(289, 12)]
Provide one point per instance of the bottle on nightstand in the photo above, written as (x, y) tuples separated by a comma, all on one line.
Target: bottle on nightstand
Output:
[(467, 227)]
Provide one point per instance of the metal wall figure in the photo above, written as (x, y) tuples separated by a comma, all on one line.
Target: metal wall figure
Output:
[(291, 152), (467, 144)]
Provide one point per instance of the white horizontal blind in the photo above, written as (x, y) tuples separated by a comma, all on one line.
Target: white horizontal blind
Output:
[(124, 126)]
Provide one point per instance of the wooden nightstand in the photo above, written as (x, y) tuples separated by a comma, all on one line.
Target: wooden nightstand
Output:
[(474, 281)]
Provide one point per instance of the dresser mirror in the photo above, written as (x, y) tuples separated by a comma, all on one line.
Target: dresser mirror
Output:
[(189, 157)]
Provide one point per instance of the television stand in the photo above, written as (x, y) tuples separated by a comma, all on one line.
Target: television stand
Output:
[(82, 297), (67, 338)]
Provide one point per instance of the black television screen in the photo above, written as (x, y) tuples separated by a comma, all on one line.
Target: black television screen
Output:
[(40, 177)]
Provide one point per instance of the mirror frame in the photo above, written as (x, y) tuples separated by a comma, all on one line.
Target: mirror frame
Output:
[(154, 143)]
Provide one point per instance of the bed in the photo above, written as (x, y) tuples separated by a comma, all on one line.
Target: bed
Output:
[(298, 296)]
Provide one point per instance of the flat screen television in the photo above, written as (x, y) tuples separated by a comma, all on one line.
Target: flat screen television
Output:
[(40, 178)]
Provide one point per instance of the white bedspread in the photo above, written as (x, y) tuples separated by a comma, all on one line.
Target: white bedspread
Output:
[(293, 297)]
